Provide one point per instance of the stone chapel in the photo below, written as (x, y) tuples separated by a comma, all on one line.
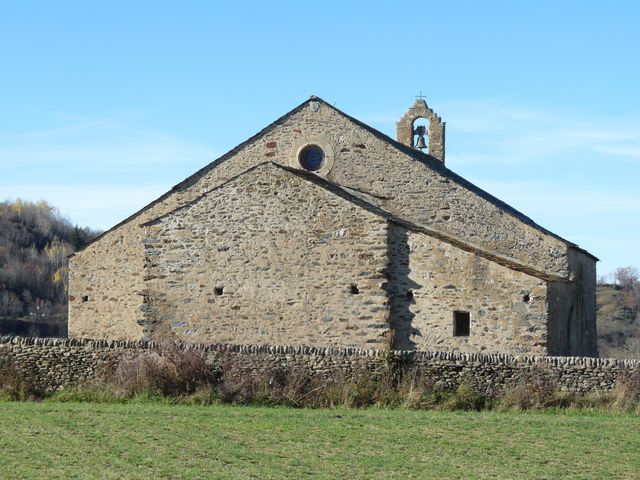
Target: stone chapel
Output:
[(322, 231)]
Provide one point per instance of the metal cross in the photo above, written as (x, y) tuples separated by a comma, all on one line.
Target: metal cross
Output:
[(420, 96)]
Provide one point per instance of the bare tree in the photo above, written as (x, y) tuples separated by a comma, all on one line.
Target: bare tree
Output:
[(628, 278)]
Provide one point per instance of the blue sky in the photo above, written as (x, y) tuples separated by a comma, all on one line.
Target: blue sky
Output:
[(104, 106)]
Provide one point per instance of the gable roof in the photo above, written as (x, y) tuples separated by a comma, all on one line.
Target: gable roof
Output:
[(440, 168), (191, 179), (339, 191), (417, 155)]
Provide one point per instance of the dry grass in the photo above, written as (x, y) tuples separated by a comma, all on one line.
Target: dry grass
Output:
[(177, 376)]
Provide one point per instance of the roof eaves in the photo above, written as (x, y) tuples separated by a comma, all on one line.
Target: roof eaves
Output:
[(415, 154), (191, 179), (336, 189), (511, 263), (209, 192)]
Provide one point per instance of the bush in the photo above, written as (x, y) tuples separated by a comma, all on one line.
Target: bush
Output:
[(178, 376), (297, 387), (626, 395), (13, 384), (293, 387), (466, 397), (168, 372), (536, 390)]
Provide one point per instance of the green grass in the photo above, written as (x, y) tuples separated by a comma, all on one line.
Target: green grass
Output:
[(152, 440)]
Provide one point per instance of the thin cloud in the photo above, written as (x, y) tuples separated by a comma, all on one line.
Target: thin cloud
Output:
[(549, 198), (84, 149), (502, 134), (100, 170), (632, 151), (96, 171), (489, 116), (91, 205), (494, 132), (148, 148)]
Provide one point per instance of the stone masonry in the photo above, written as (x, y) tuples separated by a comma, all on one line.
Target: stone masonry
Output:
[(307, 268), (54, 364), (435, 131), (440, 279), (525, 288)]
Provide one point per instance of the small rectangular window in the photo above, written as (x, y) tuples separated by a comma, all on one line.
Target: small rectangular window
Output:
[(461, 324), (85, 298)]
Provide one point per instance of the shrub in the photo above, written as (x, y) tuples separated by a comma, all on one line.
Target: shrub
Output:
[(536, 390), (163, 373), (13, 383), (626, 395), (466, 397), (415, 389), (170, 374)]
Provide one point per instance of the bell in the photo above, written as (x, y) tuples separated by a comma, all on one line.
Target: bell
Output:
[(420, 131), (420, 143)]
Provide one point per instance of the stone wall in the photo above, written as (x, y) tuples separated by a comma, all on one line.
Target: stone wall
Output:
[(57, 363), (507, 308), (106, 284), (306, 268), (313, 268)]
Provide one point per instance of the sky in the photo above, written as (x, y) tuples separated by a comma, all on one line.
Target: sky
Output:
[(106, 105)]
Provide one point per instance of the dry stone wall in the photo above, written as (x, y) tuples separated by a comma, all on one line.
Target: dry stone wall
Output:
[(54, 364)]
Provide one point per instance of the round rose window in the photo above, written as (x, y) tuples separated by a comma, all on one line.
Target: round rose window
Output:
[(311, 158)]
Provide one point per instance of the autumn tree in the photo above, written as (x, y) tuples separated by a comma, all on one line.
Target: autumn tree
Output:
[(35, 241)]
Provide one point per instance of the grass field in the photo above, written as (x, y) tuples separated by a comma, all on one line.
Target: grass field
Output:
[(151, 440)]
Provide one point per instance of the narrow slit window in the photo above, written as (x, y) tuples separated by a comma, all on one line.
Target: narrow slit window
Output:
[(461, 324)]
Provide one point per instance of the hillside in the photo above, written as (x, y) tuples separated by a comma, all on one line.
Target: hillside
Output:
[(35, 241), (618, 307)]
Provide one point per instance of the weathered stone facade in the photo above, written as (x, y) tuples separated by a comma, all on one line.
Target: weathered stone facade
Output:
[(489, 256), (440, 279), (305, 269)]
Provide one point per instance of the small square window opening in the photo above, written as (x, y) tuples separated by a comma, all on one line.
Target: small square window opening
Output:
[(461, 324)]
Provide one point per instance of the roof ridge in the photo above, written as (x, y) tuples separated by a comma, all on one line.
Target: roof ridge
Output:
[(342, 192), (199, 173), (421, 157), (441, 168)]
